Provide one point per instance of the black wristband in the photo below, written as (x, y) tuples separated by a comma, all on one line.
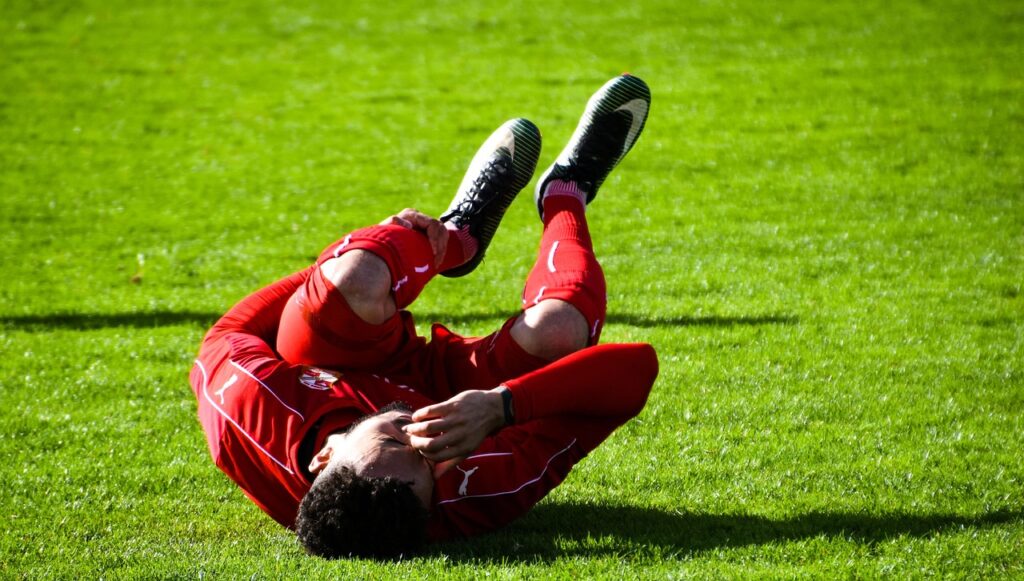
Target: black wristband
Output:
[(506, 400)]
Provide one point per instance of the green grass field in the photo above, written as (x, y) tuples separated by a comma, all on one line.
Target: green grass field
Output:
[(821, 231)]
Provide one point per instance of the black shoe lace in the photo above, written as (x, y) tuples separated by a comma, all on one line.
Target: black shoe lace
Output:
[(491, 173)]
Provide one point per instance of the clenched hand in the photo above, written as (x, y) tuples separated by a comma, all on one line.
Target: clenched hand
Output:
[(449, 431), (432, 227)]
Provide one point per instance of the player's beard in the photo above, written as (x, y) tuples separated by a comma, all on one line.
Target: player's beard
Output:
[(395, 405)]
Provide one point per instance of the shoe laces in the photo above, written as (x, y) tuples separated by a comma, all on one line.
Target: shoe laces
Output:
[(471, 202)]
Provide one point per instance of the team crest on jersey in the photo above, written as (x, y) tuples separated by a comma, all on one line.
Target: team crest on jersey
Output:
[(316, 378)]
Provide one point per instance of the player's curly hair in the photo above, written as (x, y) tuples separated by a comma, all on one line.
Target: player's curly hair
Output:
[(348, 515)]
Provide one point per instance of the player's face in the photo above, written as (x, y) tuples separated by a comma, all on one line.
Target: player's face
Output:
[(377, 446)]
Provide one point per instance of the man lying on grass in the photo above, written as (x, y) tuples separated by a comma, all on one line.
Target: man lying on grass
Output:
[(320, 400)]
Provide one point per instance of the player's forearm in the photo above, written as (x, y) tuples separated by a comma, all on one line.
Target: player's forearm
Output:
[(611, 380)]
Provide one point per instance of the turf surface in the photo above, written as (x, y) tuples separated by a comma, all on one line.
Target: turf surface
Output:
[(821, 231)]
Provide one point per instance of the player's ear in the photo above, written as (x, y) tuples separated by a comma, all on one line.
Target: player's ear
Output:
[(322, 459)]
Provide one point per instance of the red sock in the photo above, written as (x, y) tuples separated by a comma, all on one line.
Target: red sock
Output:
[(461, 247), (566, 268), (563, 188)]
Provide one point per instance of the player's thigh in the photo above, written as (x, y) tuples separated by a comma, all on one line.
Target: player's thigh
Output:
[(485, 362)]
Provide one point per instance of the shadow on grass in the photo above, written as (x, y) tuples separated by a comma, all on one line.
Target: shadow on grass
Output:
[(88, 321), (555, 531), (703, 321), (625, 319)]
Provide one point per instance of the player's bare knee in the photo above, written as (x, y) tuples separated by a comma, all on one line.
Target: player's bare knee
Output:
[(551, 330), (365, 281)]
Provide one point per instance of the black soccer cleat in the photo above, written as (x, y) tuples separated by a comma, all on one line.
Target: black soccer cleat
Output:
[(611, 124), (501, 168)]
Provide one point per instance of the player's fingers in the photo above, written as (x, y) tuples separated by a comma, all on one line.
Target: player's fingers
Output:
[(431, 411), (418, 219), (428, 428), (396, 221), (421, 444), (432, 448), (438, 236), (434, 229)]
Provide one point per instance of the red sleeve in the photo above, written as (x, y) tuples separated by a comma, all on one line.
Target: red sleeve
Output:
[(606, 381), (563, 411), (260, 313)]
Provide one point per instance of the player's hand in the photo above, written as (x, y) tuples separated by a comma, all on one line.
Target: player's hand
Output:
[(436, 233), (452, 429)]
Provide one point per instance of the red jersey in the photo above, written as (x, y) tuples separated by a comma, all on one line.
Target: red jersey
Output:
[(264, 418)]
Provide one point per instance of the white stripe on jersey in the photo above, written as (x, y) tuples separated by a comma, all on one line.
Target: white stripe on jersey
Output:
[(521, 486), (488, 455), (267, 387), (206, 394)]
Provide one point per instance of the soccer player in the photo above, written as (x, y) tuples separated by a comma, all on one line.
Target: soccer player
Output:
[(322, 403)]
